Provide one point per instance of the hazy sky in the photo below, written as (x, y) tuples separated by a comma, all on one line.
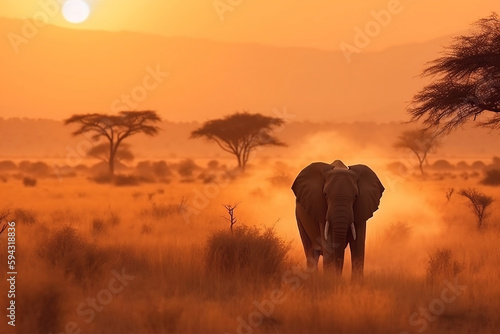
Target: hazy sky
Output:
[(318, 23)]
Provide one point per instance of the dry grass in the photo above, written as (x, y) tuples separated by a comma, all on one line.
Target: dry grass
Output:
[(191, 277)]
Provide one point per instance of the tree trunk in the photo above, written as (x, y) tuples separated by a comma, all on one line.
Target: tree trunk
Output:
[(111, 161)]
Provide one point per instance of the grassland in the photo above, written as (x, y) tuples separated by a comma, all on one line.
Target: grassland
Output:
[(140, 259)]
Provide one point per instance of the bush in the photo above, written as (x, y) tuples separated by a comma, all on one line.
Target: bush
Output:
[(186, 168), (23, 216), (98, 226), (478, 204), (213, 164), (29, 182), (208, 177), (492, 177), (462, 165), (68, 250), (478, 165), (7, 165), (162, 211), (280, 179), (441, 266), (442, 165), (398, 232), (161, 169), (125, 180), (397, 168), (247, 254), (39, 168)]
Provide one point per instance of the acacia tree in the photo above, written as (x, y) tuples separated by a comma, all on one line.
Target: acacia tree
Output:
[(478, 204), (116, 128), (466, 81), (241, 133), (420, 142)]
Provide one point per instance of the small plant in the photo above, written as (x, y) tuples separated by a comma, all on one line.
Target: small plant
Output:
[(492, 177), (125, 180), (247, 254), (449, 192), (442, 265), (280, 179), (3, 216), (230, 210), (29, 182), (23, 216), (98, 225), (478, 204), (398, 232), (146, 228)]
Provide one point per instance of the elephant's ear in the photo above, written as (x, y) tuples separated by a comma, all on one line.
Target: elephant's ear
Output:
[(308, 189), (370, 192)]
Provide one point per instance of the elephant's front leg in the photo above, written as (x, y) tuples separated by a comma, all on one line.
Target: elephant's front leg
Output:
[(358, 250)]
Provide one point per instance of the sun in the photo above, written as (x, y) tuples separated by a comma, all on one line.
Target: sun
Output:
[(75, 11)]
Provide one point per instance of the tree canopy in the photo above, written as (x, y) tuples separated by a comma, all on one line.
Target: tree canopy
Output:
[(466, 81), (115, 128), (420, 142), (241, 133)]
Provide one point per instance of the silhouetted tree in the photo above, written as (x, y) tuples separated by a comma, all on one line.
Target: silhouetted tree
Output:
[(467, 80), (115, 128), (101, 152), (241, 133), (478, 204), (420, 142)]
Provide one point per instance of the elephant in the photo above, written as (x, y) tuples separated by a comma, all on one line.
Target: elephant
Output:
[(333, 203)]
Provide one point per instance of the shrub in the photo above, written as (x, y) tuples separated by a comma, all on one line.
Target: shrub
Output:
[(442, 265), (68, 250), (29, 182), (397, 168), (146, 228), (478, 204), (247, 254), (7, 165), (24, 165), (213, 164), (38, 168), (280, 179), (125, 180), (43, 310), (478, 165), (23, 216), (98, 225), (162, 211), (161, 169), (101, 178), (442, 165), (208, 177), (462, 165), (398, 232), (186, 168), (492, 177)]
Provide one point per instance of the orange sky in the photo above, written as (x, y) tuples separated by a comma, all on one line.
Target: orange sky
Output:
[(320, 23), (80, 70)]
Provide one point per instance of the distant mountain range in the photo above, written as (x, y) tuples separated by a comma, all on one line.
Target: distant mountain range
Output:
[(59, 72)]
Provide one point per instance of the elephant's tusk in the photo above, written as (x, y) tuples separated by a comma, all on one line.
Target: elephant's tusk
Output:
[(326, 229), (353, 231)]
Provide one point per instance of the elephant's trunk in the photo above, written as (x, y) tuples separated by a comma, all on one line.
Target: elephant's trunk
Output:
[(340, 216)]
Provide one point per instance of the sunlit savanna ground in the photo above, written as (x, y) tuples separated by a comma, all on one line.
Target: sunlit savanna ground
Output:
[(72, 233)]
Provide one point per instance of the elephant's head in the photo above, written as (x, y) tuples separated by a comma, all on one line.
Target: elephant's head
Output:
[(338, 198)]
